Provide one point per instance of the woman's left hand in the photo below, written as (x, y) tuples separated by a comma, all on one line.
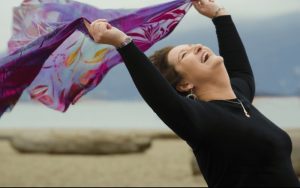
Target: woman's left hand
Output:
[(104, 33), (209, 8)]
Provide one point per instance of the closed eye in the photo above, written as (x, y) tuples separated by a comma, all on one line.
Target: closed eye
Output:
[(183, 52), (183, 55)]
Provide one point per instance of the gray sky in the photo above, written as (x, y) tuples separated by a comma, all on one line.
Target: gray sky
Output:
[(240, 9)]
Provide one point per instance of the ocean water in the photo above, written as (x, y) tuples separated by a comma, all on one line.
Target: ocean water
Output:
[(285, 112)]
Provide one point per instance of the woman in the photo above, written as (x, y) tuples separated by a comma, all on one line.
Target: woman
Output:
[(235, 145)]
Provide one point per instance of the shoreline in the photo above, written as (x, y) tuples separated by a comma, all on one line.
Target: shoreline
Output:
[(91, 100), (283, 112)]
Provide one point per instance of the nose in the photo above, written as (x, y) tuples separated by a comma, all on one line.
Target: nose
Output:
[(198, 48)]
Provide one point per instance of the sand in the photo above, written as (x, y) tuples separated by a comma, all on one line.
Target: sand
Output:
[(167, 163)]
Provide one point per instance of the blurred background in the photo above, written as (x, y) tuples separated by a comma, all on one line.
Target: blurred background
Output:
[(269, 30)]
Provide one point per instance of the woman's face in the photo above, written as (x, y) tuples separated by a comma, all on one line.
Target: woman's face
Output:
[(197, 64)]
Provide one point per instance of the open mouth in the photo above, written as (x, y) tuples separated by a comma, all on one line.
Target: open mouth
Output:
[(204, 57)]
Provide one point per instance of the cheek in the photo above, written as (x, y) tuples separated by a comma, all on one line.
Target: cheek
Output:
[(188, 65), (195, 65), (192, 69)]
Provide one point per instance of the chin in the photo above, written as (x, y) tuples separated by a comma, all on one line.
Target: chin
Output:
[(220, 59), (217, 60), (217, 65)]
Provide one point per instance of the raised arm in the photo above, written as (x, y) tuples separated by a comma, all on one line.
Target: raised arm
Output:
[(231, 47), (156, 91), (235, 56)]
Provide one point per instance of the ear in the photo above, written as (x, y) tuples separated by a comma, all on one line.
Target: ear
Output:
[(184, 86)]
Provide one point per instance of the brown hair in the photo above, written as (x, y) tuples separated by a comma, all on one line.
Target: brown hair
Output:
[(160, 61)]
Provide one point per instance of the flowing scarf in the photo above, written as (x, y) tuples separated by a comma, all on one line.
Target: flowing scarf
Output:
[(53, 57)]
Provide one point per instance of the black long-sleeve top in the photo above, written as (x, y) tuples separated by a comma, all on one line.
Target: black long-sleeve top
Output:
[(231, 149)]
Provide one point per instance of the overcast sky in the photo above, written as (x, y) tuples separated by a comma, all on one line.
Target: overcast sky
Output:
[(240, 9)]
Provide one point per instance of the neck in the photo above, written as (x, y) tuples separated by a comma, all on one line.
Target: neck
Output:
[(215, 93)]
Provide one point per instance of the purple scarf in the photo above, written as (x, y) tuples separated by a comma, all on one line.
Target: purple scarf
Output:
[(53, 57)]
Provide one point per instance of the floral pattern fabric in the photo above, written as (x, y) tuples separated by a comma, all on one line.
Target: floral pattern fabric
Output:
[(53, 57)]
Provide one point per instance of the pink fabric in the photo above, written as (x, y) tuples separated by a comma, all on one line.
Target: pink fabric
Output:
[(53, 57)]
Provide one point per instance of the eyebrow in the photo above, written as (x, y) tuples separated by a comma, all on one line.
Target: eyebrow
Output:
[(179, 55)]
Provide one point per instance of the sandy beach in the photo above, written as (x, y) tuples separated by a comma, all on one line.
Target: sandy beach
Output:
[(166, 163)]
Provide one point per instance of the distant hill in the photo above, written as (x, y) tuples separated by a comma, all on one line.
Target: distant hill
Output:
[(272, 46)]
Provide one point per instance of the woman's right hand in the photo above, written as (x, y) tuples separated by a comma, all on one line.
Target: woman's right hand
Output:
[(104, 33), (209, 8)]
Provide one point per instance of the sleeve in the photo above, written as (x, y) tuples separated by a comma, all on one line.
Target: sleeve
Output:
[(157, 92), (235, 57)]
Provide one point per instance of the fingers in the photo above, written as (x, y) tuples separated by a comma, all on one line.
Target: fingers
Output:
[(87, 25), (97, 25), (100, 26), (99, 29), (199, 5), (102, 22), (202, 2), (197, 2)]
